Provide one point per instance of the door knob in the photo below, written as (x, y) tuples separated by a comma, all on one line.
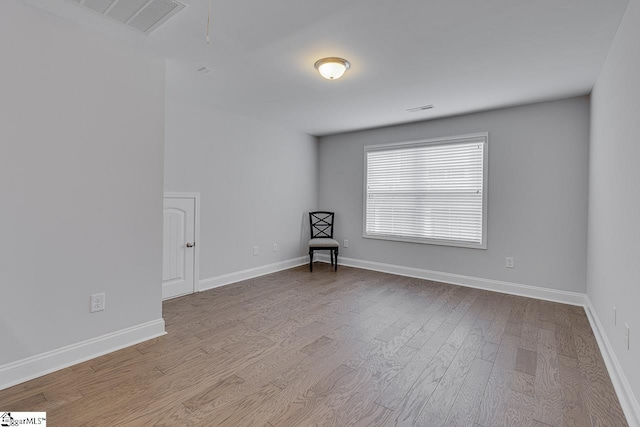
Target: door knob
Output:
[(190, 245)]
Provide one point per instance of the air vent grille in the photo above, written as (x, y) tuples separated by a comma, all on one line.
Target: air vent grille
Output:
[(100, 6), (421, 108), (123, 11), (143, 15)]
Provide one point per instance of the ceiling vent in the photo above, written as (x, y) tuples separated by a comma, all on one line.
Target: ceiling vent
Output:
[(143, 15), (421, 108)]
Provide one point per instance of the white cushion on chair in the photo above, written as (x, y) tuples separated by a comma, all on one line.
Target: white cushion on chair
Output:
[(323, 243)]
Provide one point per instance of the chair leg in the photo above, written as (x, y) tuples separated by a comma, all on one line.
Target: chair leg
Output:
[(311, 261), (336, 265), (331, 258)]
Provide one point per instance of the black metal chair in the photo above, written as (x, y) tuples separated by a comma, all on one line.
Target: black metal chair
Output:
[(321, 224)]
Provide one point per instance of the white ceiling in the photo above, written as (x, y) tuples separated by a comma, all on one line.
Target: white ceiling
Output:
[(460, 55)]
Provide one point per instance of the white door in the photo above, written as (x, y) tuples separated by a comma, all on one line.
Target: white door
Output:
[(178, 256)]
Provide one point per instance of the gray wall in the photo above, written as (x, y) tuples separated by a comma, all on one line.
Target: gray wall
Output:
[(537, 210), (614, 194), (81, 146), (256, 182)]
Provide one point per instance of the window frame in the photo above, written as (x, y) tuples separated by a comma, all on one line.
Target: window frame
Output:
[(479, 137)]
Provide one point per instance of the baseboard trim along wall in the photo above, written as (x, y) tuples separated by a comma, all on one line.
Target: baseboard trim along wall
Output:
[(238, 276), (565, 297), (45, 363), (626, 396)]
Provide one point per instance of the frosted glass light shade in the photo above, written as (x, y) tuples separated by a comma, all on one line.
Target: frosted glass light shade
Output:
[(332, 68)]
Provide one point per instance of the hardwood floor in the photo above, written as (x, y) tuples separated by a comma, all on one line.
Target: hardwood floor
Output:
[(352, 348)]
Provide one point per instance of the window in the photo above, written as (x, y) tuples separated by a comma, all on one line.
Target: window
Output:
[(430, 191)]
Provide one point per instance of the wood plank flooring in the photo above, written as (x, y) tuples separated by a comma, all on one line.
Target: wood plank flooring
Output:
[(352, 348)]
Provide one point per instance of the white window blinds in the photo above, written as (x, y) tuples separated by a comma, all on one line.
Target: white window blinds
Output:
[(428, 192)]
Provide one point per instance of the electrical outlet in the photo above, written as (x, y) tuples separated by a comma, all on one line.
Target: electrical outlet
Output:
[(97, 302), (615, 316), (626, 335), (275, 247), (346, 243), (255, 251), (510, 263)]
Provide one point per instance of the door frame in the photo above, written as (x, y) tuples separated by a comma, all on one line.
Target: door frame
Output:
[(196, 232)]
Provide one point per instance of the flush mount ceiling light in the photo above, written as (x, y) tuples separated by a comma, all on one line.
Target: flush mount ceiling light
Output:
[(332, 68)]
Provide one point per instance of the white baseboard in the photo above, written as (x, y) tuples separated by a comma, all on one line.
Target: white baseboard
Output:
[(238, 276), (626, 396), (45, 363), (565, 297)]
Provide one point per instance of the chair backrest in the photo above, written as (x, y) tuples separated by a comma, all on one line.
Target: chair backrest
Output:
[(321, 224)]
